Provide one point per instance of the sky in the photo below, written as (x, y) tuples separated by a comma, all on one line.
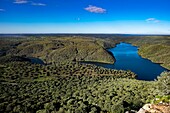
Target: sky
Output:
[(85, 16)]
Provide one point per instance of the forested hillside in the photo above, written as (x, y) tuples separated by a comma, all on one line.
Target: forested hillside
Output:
[(62, 50), (155, 48)]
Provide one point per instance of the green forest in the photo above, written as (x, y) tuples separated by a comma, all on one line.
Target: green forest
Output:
[(65, 85)]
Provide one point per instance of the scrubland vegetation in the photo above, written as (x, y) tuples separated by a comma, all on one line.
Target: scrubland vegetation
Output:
[(69, 86), (76, 94), (45, 89), (27, 71)]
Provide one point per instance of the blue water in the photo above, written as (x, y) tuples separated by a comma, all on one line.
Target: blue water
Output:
[(127, 58), (36, 60)]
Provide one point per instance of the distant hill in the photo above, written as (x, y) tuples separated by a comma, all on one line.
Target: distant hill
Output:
[(64, 49)]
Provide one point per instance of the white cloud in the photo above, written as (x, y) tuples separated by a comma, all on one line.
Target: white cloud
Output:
[(20, 1), (94, 9), (153, 20), (30, 2), (38, 4), (2, 9)]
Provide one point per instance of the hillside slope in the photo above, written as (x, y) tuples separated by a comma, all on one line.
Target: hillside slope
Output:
[(64, 50), (154, 48)]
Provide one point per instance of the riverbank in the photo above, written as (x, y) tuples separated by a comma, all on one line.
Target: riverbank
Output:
[(156, 53), (154, 48), (127, 58)]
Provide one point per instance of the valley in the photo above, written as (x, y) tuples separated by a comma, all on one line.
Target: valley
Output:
[(60, 83)]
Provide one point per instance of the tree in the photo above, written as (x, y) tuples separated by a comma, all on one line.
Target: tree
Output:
[(164, 83)]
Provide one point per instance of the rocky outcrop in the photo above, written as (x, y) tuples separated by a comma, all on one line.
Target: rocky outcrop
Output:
[(155, 108)]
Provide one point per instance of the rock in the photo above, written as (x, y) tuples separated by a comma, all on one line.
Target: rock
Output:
[(147, 107), (155, 108)]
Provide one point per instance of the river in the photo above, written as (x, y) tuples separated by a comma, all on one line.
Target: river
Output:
[(127, 58)]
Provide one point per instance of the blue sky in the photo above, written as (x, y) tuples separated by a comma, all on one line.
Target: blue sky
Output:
[(85, 16)]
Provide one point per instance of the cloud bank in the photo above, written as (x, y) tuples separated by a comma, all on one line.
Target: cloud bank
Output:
[(94, 9), (30, 2), (38, 4), (153, 20), (20, 1)]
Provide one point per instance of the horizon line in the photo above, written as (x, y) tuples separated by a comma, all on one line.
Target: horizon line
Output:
[(93, 33)]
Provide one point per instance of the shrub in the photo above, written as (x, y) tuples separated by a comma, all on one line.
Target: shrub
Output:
[(164, 83)]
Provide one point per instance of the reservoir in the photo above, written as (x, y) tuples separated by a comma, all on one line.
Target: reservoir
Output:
[(127, 58), (36, 60)]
